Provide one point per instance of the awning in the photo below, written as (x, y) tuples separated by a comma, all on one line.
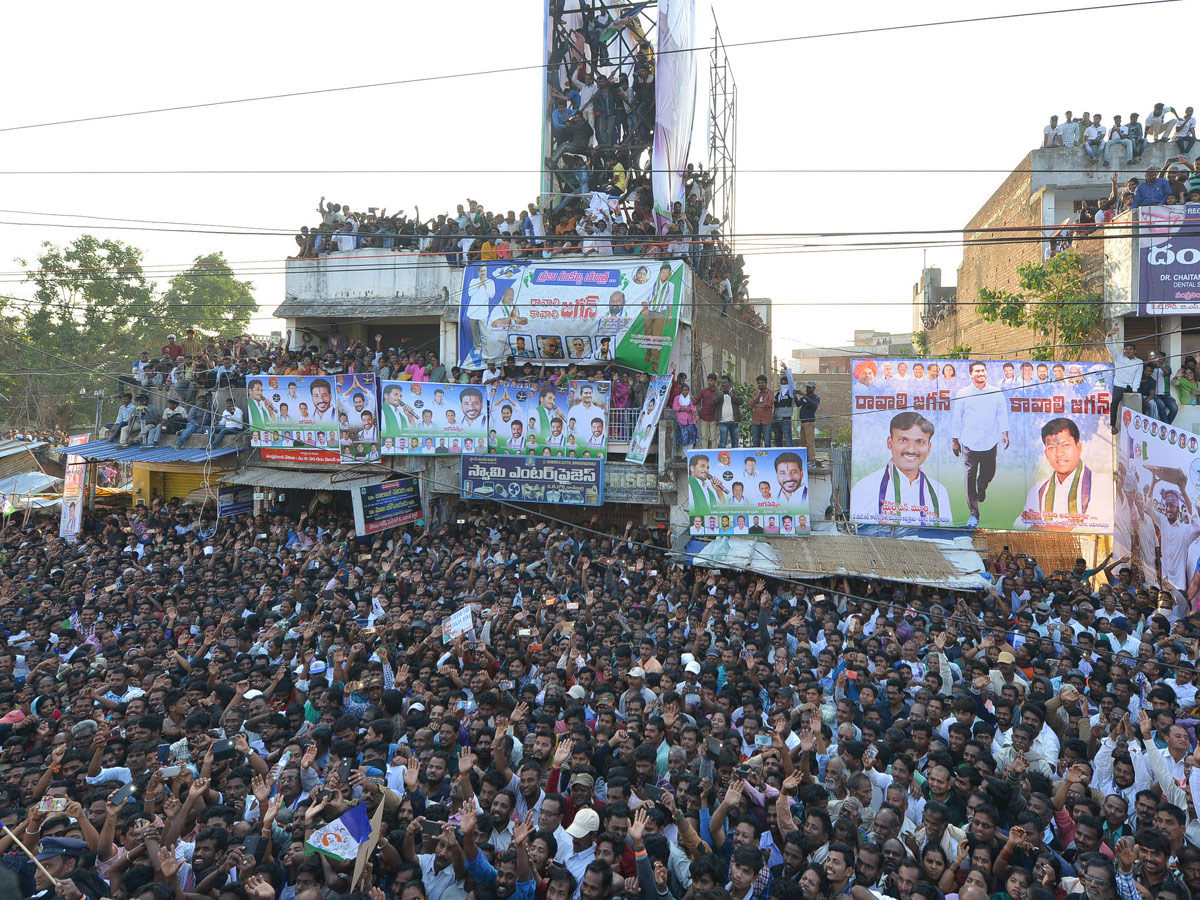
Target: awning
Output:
[(165, 453), (950, 564), (301, 480), (357, 308), (9, 446), (28, 483)]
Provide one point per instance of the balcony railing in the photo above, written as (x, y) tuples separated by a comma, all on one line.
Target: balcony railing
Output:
[(620, 425)]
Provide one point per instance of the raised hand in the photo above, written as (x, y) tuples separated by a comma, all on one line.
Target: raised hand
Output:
[(466, 761), (168, 864), (563, 752), (637, 829), (523, 829), (469, 819)]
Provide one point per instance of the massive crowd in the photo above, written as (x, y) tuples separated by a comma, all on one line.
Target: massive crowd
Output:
[(185, 701)]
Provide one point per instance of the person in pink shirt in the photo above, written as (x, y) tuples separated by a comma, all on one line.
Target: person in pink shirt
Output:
[(685, 417)]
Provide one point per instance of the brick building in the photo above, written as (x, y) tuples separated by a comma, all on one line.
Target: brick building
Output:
[(1044, 192)]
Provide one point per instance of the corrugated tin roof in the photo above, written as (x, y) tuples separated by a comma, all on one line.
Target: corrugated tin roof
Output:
[(28, 483), (301, 480), (295, 308), (9, 447), (165, 453), (952, 564)]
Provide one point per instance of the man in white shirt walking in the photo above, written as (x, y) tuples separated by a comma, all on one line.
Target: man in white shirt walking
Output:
[(978, 423), (1126, 373)]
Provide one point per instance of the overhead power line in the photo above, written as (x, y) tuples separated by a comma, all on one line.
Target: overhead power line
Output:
[(883, 29)]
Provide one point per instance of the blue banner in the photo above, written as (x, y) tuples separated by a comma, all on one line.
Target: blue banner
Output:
[(533, 479), (378, 507), (233, 501)]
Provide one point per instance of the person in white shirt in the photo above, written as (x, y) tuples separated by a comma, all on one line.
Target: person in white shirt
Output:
[(480, 294), (1119, 134), (1157, 123), (232, 422), (1050, 136), (1066, 500), (1127, 373), (900, 492), (1093, 137), (1177, 533), (978, 424), (1185, 132)]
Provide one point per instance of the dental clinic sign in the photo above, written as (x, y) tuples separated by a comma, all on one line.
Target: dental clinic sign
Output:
[(1169, 260)]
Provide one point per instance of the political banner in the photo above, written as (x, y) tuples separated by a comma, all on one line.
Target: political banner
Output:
[(567, 420), (556, 314), (1168, 260), (984, 443), (1158, 501), (358, 418), (71, 516), (428, 417), (378, 507), (533, 479), (750, 491), (647, 420), (456, 624), (233, 500), (293, 411)]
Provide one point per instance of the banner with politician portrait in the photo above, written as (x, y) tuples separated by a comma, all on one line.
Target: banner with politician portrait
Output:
[(424, 418), (1158, 502), (567, 420), (292, 411), (647, 420), (751, 491), (358, 417), (999, 444), (625, 312)]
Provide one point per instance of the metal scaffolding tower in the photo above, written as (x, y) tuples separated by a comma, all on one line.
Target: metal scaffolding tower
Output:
[(722, 136)]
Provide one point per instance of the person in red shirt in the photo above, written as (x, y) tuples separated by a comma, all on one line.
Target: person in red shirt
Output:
[(707, 398), (171, 348), (762, 411)]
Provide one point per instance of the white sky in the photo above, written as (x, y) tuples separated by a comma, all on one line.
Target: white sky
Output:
[(961, 96)]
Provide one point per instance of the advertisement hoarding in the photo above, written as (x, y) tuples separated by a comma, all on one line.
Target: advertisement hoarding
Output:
[(547, 419), (378, 507), (1158, 498), (750, 491), (233, 500), (73, 483), (557, 314), (647, 420), (1000, 444), (428, 418), (533, 479), (1168, 260)]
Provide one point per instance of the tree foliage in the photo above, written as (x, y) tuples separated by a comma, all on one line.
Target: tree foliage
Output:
[(93, 308), (1054, 300)]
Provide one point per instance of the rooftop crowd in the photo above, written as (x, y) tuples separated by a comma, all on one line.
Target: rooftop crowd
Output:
[(614, 725)]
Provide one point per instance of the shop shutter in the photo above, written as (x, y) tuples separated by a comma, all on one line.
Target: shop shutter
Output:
[(180, 484)]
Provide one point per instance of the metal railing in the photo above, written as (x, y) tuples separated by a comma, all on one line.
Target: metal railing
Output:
[(620, 424)]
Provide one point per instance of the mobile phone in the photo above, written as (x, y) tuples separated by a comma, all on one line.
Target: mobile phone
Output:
[(654, 573), (344, 769), (433, 829), (462, 704), (707, 768), (524, 632), (650, 792), (507, 685), (535, 647), (261, 537), (170, 771), (164, 753), (819, 598), (572, 606), (52, 804), (713, 747), (762, 740), (255, 846), (851, 675), (123, 793)]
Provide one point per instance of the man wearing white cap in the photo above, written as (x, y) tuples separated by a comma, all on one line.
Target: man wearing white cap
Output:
[(637, 685), (583, 840)]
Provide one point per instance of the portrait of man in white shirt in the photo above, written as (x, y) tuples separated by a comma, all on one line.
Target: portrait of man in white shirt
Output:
[(978, 426)]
